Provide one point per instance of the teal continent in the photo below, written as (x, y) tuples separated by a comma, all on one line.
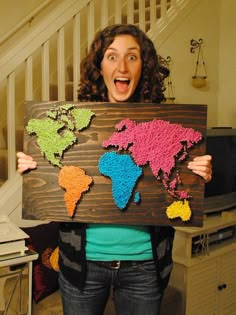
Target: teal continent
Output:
[(124, 174)]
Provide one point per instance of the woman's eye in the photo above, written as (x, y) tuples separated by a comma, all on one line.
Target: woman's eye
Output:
[(111, 57), (132, 57)]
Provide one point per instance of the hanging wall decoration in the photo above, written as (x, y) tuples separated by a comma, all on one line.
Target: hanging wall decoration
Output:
[(200, 75), (170, 98)]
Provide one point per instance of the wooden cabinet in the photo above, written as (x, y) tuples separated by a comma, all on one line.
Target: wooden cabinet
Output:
[(227, 287), (19, 268), (205, 266)]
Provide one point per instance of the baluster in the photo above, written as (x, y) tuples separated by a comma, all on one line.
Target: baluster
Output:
[(153, 9), (104, 13), (61, 64), (90, 21), (142, 15), (76, 55), (29, 78), (11, 126), (163, 8), (130, 11), (117, 11), (45, 71)]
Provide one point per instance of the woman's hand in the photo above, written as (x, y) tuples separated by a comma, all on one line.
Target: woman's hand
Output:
[(25, 162), (202, 166)]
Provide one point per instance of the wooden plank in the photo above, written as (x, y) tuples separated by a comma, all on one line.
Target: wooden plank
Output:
[(43, 199)]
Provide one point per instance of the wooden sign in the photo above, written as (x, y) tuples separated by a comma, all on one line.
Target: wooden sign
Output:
[(128, 172)]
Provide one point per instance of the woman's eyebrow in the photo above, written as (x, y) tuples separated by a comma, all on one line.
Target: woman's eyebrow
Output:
[(130, 48)]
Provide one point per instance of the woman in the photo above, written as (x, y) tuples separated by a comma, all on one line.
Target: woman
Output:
[(121, 66)]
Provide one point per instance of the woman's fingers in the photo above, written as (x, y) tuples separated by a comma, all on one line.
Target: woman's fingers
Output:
[(25, 162), (201, 165)]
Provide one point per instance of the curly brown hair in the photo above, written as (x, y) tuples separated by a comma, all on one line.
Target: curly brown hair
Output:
[(151, 84)]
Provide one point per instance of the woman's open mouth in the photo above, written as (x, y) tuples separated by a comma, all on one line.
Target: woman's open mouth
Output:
[(122, 84)]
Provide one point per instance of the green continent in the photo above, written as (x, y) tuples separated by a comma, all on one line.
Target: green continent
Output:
[(55, 133), (82, 117), (51, 143)]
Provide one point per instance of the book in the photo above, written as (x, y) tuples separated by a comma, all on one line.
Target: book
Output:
[(12, 238), (10, 231), (13, 247)]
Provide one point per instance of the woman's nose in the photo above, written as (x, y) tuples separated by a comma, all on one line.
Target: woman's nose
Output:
[(122, 66)]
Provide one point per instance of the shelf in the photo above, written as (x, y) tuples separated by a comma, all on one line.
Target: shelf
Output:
[(211, 223)]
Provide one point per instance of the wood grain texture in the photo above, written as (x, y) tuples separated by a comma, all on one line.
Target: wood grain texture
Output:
[(43, 199)]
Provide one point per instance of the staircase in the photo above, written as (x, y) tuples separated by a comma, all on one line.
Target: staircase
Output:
[(43, 65)]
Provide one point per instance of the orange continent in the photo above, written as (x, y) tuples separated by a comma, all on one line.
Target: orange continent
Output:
[(74, 180)]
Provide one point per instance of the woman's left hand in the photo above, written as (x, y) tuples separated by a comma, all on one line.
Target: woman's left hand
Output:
[(202, 166)]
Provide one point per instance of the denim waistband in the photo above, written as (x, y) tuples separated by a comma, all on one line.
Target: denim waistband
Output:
[(118, 264)]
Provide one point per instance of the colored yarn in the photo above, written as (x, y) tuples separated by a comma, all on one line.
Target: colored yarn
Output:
[(158, 143), (179, 209), (75, 182), (123, 173)]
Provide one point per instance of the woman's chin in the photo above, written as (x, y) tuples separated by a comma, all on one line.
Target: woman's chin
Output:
[(121, 98)]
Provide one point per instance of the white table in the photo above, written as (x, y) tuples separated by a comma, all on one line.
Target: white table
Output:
[(16, 266)]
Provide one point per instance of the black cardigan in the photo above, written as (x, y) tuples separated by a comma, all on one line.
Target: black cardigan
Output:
[(72, 256)]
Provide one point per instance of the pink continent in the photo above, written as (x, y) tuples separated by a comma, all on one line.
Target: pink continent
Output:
[(156, 142)]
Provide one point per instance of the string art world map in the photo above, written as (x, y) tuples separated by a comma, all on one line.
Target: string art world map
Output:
[(114, 163)]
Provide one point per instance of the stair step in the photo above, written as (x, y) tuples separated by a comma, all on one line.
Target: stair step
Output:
[(147, 3), (147, 16), (147, 12)]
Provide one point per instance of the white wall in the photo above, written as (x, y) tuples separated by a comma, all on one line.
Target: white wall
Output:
[(214, 21)]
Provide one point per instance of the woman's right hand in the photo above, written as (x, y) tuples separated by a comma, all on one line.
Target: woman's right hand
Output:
[(25, 162)]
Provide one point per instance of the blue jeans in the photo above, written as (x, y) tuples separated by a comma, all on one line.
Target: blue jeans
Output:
[(135, 291)]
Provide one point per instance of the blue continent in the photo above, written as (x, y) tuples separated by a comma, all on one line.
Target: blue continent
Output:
[(124, 174)]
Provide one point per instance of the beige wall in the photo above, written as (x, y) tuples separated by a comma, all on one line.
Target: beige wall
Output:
[(12, 12), (227, 64), (214, 21)]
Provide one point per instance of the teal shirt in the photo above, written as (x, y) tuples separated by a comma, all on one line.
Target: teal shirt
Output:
[(106, 242)]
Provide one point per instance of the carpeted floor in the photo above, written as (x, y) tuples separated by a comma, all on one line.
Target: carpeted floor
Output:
[(52, 306)]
